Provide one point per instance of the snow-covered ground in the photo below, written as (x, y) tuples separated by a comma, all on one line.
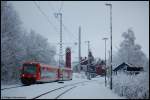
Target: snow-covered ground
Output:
[(91, 90), (94, 88), (9, 86)]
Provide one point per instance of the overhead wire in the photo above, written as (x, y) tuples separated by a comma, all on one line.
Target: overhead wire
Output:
[(69, 32), (64, 43), (61, 6), (54, 27), (47, 18), (64, 26), (53, 9)]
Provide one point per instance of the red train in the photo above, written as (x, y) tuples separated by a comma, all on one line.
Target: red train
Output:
[(35, 72)]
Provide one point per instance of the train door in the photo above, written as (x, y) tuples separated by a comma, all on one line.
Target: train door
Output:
[(60, 74), (38, 72)]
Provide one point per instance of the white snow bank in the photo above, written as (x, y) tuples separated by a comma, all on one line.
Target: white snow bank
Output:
[(91, 90), (80, 75), (9, 86), (132, 86)]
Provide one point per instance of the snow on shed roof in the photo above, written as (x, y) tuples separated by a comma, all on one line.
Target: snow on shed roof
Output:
[(130, 66)]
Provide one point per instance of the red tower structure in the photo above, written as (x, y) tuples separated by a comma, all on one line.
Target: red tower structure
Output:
[(68, 57)]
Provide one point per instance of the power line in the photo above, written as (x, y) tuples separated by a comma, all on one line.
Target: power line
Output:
[(48, 17), (54, 27), (52, 7), (70, 33), (61, 6), (64, 26)]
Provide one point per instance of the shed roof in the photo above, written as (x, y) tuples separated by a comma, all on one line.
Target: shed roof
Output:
[(120, 66), (130, 67)]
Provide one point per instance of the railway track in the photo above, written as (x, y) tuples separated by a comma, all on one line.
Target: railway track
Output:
[(61, 90), (54, 93), (16, 87), (65, 92), (20, 86)]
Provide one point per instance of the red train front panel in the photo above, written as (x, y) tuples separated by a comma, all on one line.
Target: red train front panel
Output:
[(29, 73)]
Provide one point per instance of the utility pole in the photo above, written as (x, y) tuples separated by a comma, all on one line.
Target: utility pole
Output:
[(109, 67), (105, 61), (110, 5), (88, 66), (79, 48), (60, 50)]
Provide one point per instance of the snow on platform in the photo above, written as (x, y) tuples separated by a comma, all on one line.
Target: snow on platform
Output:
[(9, 86), (91, 90)]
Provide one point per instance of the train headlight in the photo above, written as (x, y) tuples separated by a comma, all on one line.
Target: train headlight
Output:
[(22, 75)]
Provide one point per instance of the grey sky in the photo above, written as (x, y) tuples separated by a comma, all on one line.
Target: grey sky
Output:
[(93, 17)]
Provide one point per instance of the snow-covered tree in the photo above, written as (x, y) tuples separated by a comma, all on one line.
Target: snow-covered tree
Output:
[(131, 86), (130, 52), (38, 49), (10, 37), (18, 46)]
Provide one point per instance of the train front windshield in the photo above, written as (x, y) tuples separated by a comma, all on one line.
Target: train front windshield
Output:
[(29, 68)]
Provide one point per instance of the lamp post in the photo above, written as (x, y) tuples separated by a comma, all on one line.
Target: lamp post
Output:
[(105, 60), (110, 5)]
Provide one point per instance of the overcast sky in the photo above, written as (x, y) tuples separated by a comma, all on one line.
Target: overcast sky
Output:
[(94, 19)]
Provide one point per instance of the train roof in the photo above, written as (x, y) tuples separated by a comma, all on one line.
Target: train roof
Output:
[(65, 68), (31, 62), (42, 64), (45, 65)]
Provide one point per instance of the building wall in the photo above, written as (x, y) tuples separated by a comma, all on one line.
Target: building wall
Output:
[(100, 70)]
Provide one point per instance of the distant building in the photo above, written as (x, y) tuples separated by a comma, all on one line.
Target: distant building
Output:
[(96, 68), (84, 63), (100, 68), (127, 68), (91, 68)]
